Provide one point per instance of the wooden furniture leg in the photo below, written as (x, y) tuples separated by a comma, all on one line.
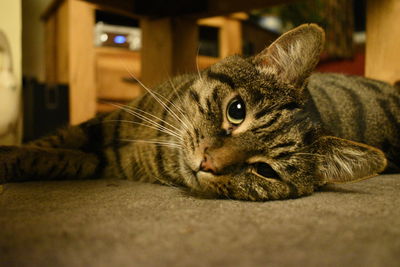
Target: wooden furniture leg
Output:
[(230, 38), (383, 40), (70, 55), (169, 47), (82, 87)]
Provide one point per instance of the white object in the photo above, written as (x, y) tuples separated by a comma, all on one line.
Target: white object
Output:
[(9, 93), (133, 34)]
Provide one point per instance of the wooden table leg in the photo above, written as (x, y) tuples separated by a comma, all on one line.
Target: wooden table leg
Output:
[(230, 37), (383, 40), (169, 47), (82, 87)]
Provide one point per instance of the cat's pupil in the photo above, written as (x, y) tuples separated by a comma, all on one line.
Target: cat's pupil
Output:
[(236, 111)]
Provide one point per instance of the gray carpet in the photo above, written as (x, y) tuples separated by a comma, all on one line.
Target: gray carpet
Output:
[(124, 223)]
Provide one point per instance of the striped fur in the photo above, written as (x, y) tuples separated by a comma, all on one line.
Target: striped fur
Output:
[(294, 138)]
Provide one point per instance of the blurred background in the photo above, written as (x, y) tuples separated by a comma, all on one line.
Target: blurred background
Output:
[(71, 57)]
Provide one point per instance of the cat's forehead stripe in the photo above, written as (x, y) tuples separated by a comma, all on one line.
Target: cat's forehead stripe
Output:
[(215, 95), (221, 77), (286, 106), (194, 96)]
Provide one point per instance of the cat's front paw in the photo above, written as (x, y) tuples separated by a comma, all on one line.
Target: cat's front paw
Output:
[(8, 161)]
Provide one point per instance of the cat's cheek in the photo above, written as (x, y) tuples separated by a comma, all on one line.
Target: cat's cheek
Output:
[(188, 175), (192, 161)]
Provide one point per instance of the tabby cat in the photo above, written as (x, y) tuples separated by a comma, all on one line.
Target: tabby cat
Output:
[(258, 128)]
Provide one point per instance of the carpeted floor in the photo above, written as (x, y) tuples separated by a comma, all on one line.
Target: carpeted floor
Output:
[(123, 223)]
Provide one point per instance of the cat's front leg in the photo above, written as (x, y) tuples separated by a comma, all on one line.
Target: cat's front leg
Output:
[(248, 186), (27, 163)]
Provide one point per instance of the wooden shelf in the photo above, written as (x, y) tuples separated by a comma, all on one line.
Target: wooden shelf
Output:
[(114, 69), (169, 47)]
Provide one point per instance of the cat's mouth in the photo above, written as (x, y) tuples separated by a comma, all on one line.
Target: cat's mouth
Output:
[(202, 176)]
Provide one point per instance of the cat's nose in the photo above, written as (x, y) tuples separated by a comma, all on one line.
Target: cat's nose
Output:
[(207, 165)]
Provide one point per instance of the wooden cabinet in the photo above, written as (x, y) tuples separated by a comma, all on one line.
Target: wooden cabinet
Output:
[(115, 74), (116, 71), (172, 43), (97, 75), (70, 55)]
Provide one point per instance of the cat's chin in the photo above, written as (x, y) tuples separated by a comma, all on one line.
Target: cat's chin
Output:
[(207, 179), (205, 175), (200, 179)]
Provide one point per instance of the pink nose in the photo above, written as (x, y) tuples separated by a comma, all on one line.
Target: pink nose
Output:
[(207, 165)]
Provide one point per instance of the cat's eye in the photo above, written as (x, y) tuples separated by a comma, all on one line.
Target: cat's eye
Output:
[(236, 111), (263, 169)]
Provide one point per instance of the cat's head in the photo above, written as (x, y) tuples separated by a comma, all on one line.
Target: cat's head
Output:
[(252, 137)]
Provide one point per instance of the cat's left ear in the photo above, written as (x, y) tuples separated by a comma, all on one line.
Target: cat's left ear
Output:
[(294, 55), (341, 160)]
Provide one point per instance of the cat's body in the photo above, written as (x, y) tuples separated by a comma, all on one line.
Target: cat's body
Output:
[(359, 109), (244, 128)]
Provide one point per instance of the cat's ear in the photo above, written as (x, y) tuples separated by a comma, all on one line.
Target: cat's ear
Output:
[(341, 161), (294, 55)]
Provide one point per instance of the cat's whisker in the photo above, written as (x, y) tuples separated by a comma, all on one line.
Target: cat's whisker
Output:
[(147, 113), (310, 154), (170, 102), (133, 112), (181, 102), (176, 130), (175, 91), (197, 63), (149, 120), (155, 142), (153, 95), (146, 125), (172, 112)]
